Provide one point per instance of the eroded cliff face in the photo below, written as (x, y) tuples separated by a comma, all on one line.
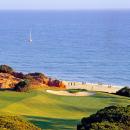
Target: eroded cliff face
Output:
[(9, 80), (39, 79)]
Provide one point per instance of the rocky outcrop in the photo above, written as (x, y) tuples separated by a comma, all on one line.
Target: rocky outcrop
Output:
[(55, 82), (10, 79), (39, 79)]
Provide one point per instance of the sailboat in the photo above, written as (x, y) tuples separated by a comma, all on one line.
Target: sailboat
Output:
[(30, 37)]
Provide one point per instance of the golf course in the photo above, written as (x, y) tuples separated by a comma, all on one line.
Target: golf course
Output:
[(49, 111)]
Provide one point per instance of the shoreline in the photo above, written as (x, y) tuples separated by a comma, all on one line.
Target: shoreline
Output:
[(92, 86)]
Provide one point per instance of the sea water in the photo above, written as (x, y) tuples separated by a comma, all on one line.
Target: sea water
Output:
[(89, 46)]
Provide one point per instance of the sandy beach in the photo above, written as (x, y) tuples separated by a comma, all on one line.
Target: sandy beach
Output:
[(92, 87)]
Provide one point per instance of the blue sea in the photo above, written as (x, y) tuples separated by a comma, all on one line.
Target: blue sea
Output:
[(90, 46)]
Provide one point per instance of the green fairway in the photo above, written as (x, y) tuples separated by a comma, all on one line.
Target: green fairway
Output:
[(53, 112)]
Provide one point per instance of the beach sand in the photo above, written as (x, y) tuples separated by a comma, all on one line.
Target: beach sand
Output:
[(92, 87)]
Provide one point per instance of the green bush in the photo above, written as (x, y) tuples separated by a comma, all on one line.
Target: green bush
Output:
[(15, 123), (22, 86), (109, 118), (124, 92), (36, 75), (6, 69)]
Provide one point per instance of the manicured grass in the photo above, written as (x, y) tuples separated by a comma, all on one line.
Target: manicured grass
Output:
[(53, 112), (76, 90)]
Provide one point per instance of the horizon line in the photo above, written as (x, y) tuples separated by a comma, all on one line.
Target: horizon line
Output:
[(109, 9)]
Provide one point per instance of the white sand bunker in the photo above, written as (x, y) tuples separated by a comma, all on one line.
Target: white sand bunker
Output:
[(66, 93)]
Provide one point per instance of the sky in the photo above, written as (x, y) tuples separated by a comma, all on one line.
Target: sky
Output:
[(63, 4)]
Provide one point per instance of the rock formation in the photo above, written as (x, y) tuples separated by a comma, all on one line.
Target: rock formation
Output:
[(9, 79)]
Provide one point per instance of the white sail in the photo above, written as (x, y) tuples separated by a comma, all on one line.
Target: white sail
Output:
[(30, 38)]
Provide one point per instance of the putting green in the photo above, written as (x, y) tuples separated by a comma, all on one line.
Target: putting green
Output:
[(53, 112)]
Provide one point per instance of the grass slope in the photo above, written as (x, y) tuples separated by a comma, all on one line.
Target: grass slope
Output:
[(9, 122), (56, 112)]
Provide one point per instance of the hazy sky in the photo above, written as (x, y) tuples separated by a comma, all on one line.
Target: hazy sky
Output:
[(64, 4)]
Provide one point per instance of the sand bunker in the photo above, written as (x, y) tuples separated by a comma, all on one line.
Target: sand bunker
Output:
[(65, 93)]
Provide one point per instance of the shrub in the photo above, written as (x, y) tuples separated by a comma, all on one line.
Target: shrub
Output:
[(22, 86), (35, 77), (36, 74), (15, 123), (18, 75), (124, 92), (6, 69), (109, 118), (105, 126)]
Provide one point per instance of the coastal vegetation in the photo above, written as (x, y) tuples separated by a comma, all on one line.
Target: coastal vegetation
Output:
[(8, 122), (124, 92), (109, 118), (6, 69), (22, 86)]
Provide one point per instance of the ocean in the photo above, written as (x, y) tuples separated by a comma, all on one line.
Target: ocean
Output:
[(88, 46)]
